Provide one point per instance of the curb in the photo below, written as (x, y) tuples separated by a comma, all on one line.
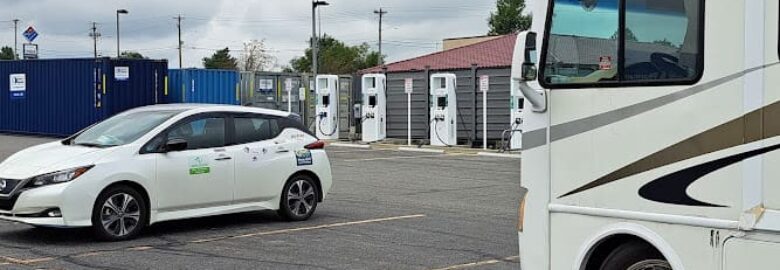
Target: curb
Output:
[(423, 150), (490, 154), (362, 146)]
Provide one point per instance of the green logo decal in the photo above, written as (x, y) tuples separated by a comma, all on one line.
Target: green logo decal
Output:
[(199, 170), (199, 165)]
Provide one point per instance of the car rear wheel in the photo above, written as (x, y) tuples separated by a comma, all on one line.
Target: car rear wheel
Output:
[(635, 256), (120, 213), (299, 198)]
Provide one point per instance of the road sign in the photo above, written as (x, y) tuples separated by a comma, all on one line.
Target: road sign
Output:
[(288, 84), (484, 83), (30, 34), (30, 51), (408, 85)]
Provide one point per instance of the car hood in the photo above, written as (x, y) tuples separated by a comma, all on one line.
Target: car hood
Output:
[(48, 158)]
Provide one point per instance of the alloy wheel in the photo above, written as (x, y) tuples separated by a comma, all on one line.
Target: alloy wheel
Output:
[(301, 197), (120, 214)]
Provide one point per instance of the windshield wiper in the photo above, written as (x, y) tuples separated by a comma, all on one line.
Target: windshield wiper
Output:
[(97, 145)]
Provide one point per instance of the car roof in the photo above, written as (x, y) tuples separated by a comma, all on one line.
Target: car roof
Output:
[(199, 108)]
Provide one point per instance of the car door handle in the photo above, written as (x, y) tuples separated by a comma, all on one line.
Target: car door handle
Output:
[(223, 158)]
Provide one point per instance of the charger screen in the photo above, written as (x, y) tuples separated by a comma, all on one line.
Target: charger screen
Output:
[(372, 101), (326, 100), (441, 102)]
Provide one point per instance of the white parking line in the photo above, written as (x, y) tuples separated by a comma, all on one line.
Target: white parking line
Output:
[(401, 157), (481, 263), (491, 154), (362, 146), (424, 150)]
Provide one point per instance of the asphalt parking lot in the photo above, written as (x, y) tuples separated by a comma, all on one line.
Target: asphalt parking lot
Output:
[(387, 210)]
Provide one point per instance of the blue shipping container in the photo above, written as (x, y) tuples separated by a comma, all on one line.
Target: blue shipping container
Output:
[(203, 86), (58, 97)]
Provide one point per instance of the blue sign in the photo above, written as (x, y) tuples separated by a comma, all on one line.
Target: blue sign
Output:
[(30, 34)]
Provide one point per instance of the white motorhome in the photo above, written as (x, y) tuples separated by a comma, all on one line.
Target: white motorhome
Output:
[(651, 133)]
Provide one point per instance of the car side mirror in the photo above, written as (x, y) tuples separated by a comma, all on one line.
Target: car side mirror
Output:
[(175, 145)]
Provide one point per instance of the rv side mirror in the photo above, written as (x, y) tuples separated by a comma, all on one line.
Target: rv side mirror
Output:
[(529, 72)]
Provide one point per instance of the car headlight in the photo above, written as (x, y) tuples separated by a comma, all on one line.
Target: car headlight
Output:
[(58, 177)]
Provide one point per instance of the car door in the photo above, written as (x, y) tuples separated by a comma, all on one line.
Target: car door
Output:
[(263, 160), (200, 176)]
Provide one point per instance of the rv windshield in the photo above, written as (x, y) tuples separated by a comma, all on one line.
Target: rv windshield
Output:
[(660, 41)]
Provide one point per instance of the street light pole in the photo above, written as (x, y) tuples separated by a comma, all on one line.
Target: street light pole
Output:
[(314, 41), (118, 11)]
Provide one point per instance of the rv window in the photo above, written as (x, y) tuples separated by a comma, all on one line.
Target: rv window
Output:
[(661, 40), (582, 46), (661, 43)]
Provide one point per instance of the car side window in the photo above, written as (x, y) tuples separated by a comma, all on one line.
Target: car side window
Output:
[(200, 133), (255, 128)]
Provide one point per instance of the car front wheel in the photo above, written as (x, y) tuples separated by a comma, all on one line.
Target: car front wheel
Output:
[(119, 213), (299, 198)]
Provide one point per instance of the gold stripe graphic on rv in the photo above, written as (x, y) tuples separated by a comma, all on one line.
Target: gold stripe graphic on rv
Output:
[(751, 127)]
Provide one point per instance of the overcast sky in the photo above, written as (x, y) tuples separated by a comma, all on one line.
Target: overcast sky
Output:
[(412, 27)]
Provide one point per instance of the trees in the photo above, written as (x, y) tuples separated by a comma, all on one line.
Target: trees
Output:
[(131, 55), (335, 57), (7, 53), (221, 59), (256, 57), (508, 18)]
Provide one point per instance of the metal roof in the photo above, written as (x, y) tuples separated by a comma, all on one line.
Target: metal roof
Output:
[(491, 53)]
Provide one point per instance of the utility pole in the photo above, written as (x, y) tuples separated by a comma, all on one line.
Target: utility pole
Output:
[(16, 38), (178, 25), (381, 14), (95, 35)]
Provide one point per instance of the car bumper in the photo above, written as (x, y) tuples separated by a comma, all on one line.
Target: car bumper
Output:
[(56, 222), (30, 207)]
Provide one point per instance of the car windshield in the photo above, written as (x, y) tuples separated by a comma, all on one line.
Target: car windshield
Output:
[(122, 129)]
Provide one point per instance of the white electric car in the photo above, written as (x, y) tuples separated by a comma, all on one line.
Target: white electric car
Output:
[(167, 162)]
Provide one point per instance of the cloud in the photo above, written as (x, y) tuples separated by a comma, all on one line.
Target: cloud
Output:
[(411, 28)]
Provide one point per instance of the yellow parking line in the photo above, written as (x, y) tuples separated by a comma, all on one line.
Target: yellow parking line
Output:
[(481, 263), (5, 260), (12, 260), (325, 226)]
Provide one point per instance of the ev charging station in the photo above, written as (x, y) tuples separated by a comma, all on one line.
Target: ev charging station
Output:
[(327, 121), (374, 108), (516, 119), (444, 110)]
